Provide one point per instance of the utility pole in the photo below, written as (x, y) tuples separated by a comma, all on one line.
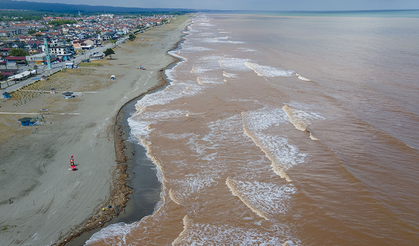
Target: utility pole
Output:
[(47, 53)]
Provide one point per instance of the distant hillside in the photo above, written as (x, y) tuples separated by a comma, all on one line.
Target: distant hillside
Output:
[(59, 7)]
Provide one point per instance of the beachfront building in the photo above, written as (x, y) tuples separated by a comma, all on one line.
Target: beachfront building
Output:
[(8, 72), (61, 51), (123, 31), (5, 51), (84, 44), (13, 60), (109, 35), (8, 32), (40, 58)]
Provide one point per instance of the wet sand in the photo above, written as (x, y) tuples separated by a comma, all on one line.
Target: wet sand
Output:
[(142, 177), (49, 202)]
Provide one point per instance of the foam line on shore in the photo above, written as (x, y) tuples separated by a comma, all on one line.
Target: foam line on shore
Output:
[(297, 122), (302, 78), (230, 184), (184, 234), (195, 233), (229, 75), (276, 167), (267, 71), (163, 82)]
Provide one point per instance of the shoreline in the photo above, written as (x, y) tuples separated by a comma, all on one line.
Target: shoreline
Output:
[(125, 160)]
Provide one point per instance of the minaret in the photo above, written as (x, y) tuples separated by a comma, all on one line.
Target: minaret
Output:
[(47, 53)]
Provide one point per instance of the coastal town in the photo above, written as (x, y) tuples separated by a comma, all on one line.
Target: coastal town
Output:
[(23, 42)]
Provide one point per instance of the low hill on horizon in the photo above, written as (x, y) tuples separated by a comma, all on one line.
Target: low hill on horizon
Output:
[(60, 7)]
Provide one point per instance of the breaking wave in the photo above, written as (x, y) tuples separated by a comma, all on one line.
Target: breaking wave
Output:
[(224, 234), (265, 199), (267, 71)]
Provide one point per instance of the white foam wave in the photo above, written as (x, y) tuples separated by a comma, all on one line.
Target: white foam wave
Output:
[(169, 94), (236, 42), (236, 64), (206, 34), (264, 118), (302, 78), (207, 63), (138, 128), (216, 41), (266, 199), (177, 136), (268, 71), (208, 80), (223, 134), (277, 148), (246, 49), (177, 54), (191, 184), (119, 231), (229, 75), (225, 131), (299, 118), (140, 123), (198, 48), (170, 74), (198, 69), (225, 234), (281, 150), (205, 24)]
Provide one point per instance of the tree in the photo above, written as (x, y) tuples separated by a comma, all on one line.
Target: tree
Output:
[(131, 37), (61, 22), (109, 52), (18, 52), (113, 41)]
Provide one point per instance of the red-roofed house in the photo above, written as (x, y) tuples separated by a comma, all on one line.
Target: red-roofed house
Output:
[(4, 33), (16, 59), (24, 39), (5, 51)]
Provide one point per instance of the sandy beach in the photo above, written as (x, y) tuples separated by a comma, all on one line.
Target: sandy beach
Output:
[(42, 202)]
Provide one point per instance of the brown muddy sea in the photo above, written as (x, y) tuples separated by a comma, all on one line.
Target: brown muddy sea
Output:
[(295, 130)]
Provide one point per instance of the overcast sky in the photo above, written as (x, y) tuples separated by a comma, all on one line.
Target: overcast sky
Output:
[(316, 5)]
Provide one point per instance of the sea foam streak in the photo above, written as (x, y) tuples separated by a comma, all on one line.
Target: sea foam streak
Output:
[(185, 187), (299, 118), (224, 234), (265, 199), (302, 78), (267, 71), (282, 154), (118, 230)]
